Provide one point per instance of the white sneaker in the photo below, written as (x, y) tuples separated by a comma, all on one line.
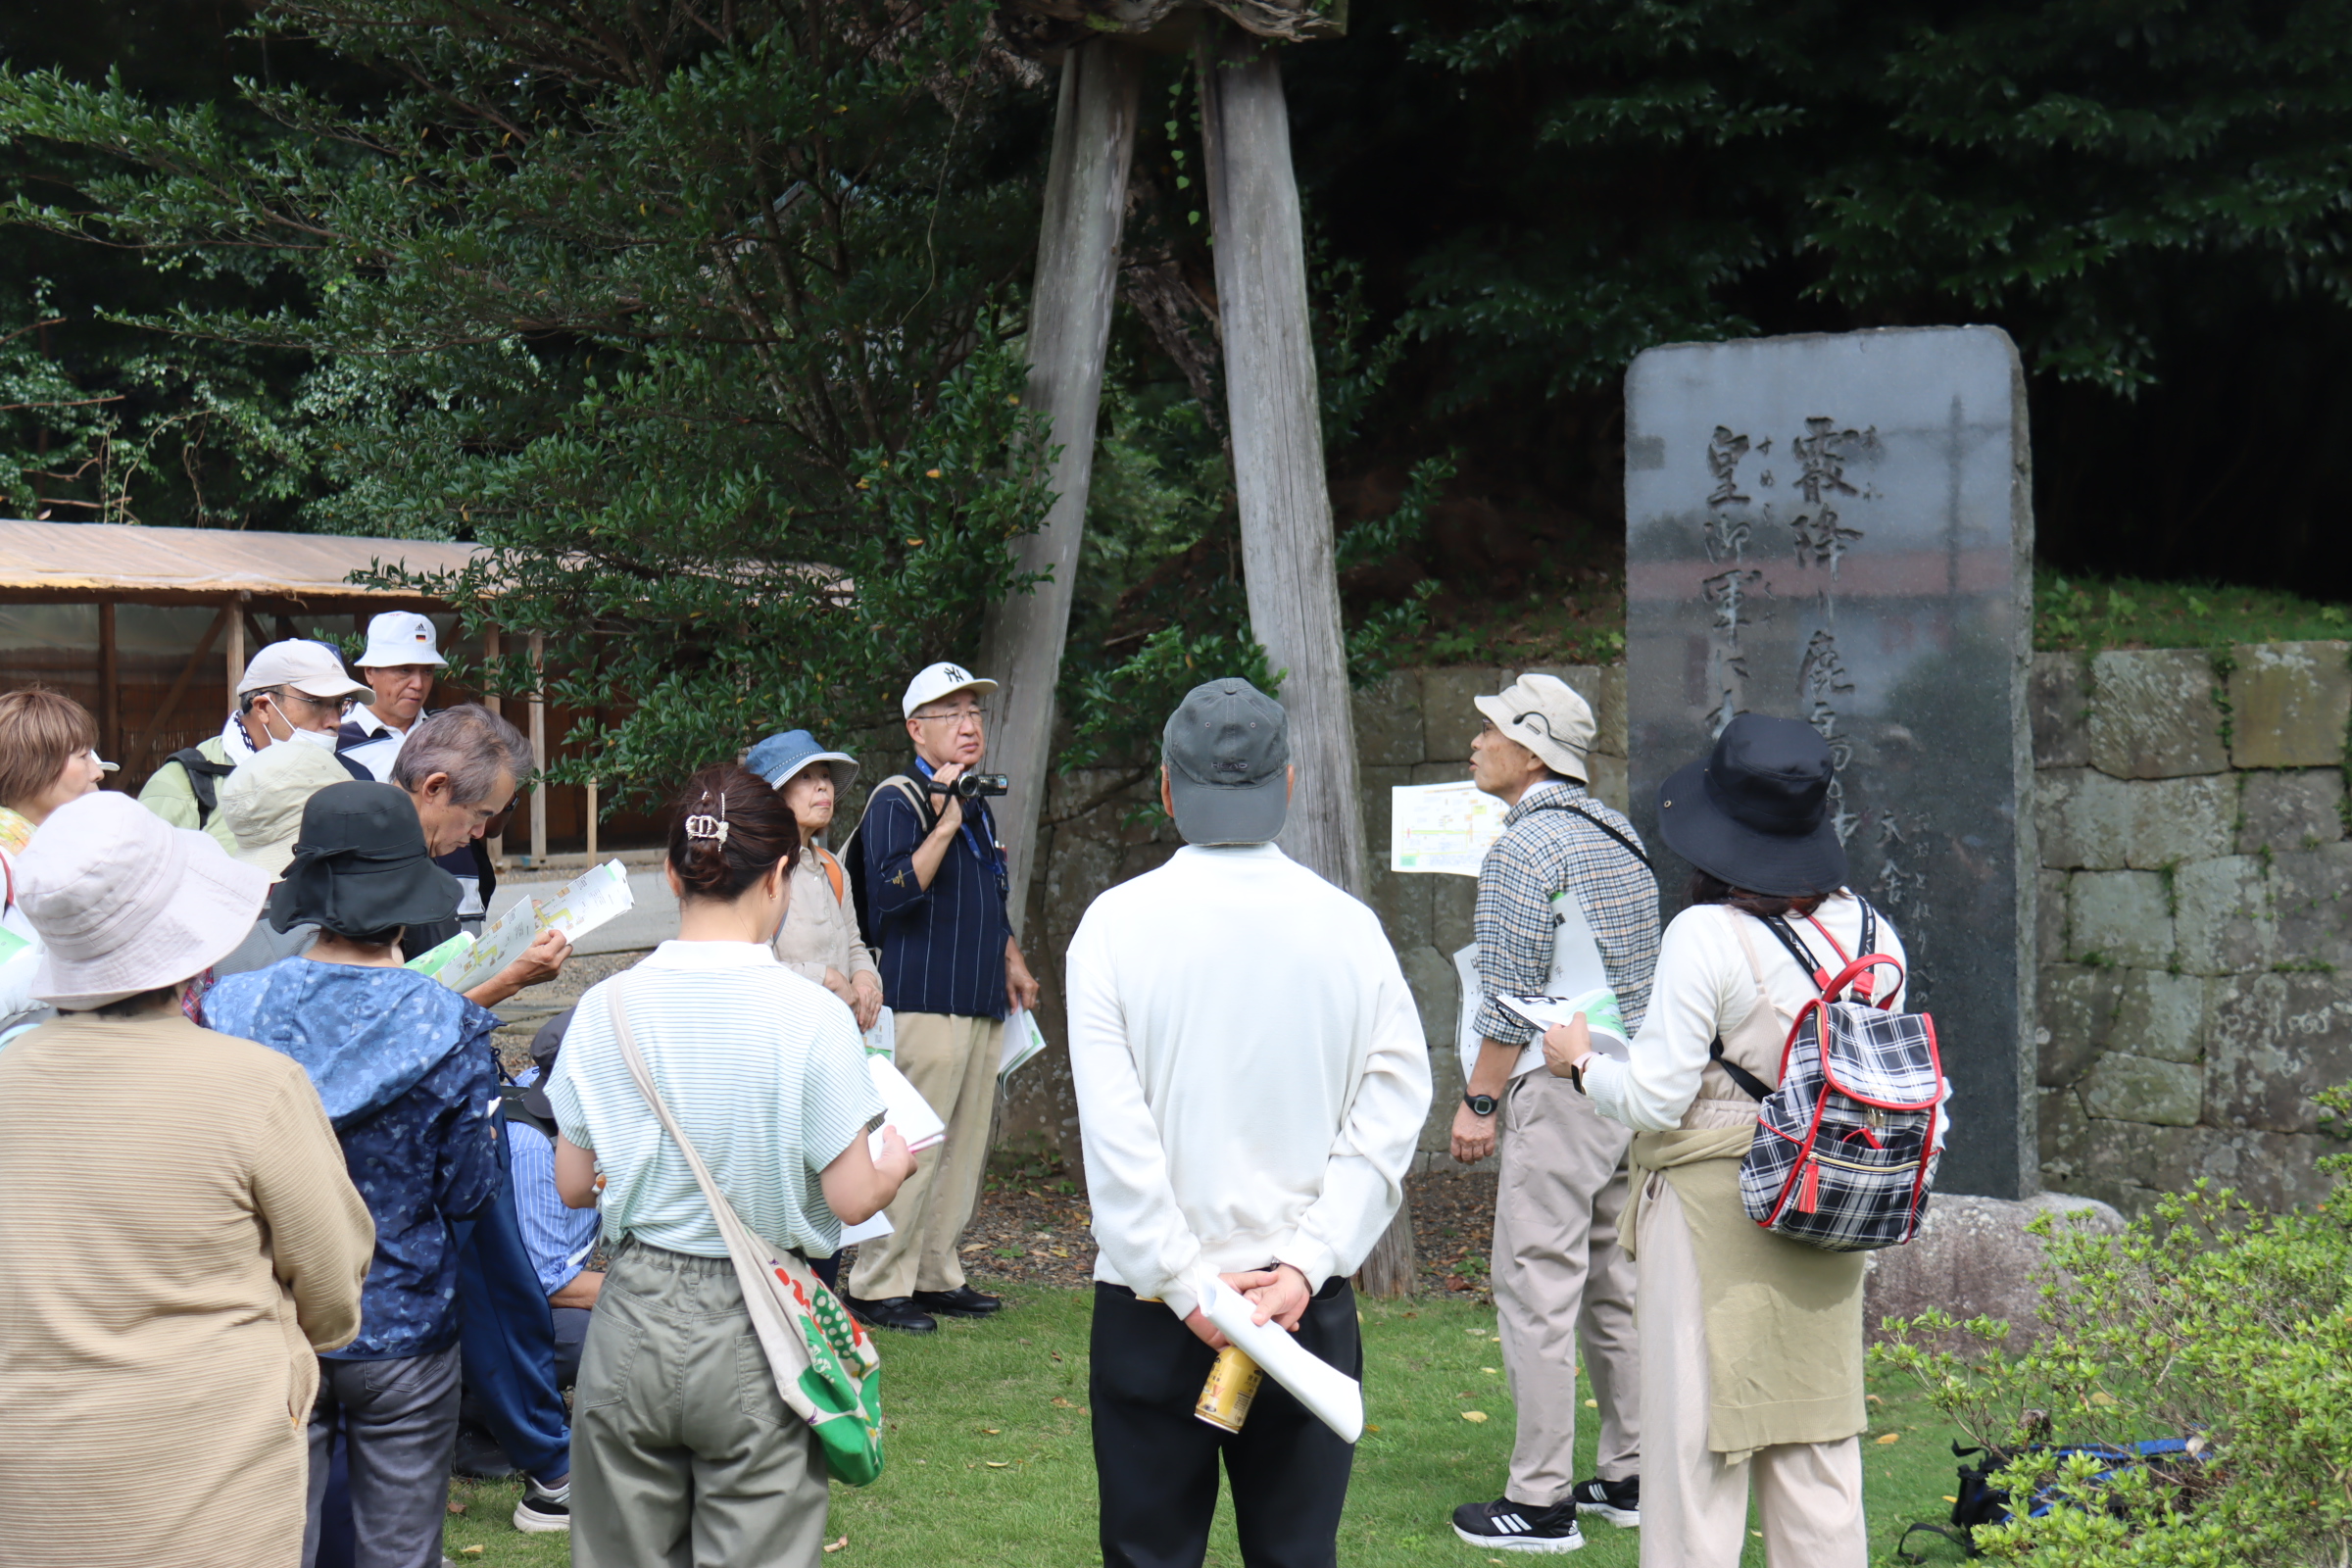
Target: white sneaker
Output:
[(544, 1510)]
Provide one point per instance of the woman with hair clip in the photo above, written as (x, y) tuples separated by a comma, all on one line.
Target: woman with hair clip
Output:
[(682, 1448), (1752, 1343)]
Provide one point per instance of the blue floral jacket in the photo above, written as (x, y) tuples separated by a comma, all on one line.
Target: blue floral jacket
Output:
[(405, 1069)]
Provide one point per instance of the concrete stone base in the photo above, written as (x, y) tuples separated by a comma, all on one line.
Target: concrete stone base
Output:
[(1973, 1257)]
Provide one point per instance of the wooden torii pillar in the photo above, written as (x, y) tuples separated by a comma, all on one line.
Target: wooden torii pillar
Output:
[(1272, 403)]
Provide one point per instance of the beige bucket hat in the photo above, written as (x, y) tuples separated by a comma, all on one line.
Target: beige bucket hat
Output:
[(126, 903), (1544, 714), (261, 801)]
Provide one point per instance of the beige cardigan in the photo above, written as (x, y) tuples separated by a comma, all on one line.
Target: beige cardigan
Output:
[(821, 931), (177, 1237)]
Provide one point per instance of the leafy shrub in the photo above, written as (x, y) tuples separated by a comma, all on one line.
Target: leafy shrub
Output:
[(2207, 1320)]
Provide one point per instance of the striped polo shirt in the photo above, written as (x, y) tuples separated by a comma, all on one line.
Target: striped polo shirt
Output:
[(763, 1068), (943, 946)]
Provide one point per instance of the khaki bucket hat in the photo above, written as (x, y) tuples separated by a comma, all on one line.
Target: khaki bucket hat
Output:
[(261, 801), (1544, 714)]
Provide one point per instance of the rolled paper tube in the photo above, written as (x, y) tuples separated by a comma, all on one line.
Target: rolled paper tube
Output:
[(1233, 1381), (1333, 1397)]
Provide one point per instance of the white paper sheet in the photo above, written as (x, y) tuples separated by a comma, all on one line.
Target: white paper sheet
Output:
[(902, 1108), (1333, 1397), (1441, 827), (575, 908)]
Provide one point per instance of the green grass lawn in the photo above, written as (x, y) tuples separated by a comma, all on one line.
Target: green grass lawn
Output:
[(990, 1461)]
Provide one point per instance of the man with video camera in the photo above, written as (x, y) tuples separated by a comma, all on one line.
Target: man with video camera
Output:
[(933, 886)]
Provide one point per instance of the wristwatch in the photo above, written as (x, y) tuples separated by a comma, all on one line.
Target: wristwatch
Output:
[(1481, 1104)]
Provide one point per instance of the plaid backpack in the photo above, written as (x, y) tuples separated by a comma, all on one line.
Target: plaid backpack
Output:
[(1846, 1146)]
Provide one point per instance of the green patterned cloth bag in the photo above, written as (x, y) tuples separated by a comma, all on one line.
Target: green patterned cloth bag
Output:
[(821, 1357)]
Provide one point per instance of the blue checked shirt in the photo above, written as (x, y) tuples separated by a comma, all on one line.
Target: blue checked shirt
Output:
[(1544, 852), (560, 1239)]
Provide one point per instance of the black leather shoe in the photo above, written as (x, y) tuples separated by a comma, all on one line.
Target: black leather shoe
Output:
[(961, 1302), (891, 1312)]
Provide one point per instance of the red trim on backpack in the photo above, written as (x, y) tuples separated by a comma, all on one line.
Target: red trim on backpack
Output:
[(1805, 1181)]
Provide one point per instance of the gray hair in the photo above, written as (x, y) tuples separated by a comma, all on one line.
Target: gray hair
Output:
[(471, 744)]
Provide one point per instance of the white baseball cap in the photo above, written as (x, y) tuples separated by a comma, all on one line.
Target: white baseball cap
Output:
[(400, 637), (312, 669), (934, 682)]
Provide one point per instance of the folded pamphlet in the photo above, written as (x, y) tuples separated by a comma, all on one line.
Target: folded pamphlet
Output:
[(882, 1040), (577, 908), (1599, 1007), (1022, 1040), (433, 960)]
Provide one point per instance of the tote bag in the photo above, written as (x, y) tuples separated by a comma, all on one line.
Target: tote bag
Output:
[(822, 1360)]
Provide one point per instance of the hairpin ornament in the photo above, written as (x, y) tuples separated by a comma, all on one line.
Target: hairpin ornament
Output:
[(704, 826)]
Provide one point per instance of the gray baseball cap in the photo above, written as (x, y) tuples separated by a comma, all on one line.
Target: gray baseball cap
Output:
[(1228, 753)]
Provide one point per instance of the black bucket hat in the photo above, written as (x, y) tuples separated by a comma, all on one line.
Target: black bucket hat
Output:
[(359, 865), (1755, 813)]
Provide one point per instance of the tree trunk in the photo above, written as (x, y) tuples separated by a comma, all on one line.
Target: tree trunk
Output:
[(1275, 415), (1069, 333)]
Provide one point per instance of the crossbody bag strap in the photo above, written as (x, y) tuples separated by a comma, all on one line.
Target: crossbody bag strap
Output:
[(1631, 848)]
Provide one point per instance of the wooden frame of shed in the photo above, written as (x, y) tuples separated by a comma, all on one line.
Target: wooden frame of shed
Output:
[(242, 578)]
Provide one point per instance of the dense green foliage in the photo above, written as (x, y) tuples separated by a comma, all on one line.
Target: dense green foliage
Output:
[(693, 314), (2207, 1321), (521, 274)]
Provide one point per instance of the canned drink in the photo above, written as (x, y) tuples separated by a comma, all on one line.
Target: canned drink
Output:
[(1232, 1384)]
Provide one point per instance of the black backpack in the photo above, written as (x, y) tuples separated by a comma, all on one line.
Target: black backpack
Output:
[(204, 776), (852, 854)]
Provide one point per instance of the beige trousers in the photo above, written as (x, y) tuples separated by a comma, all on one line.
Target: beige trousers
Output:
[(1558, 1276), (952, 1064), (1693, 1500)]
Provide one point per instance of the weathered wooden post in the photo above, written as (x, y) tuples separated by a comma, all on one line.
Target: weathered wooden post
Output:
[(1276, 417), (1069, 333)]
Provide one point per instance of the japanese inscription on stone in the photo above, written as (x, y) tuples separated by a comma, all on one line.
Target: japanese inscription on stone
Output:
[(1837, 530)]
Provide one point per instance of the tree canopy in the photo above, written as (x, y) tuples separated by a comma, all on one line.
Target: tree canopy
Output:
[(694, 315)]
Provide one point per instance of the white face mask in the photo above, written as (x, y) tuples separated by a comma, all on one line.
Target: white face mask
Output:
[(323, 738)]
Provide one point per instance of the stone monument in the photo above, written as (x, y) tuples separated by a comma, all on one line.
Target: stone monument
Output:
[(1839, 529)]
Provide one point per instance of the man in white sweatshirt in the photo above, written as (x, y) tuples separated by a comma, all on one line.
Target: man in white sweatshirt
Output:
[(1252, 1079)]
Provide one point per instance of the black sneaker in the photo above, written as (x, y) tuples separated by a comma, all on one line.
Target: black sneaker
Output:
[(891, 1312), (961, 1302), (543, 1510), (1506, 1526), (1617, 1502)]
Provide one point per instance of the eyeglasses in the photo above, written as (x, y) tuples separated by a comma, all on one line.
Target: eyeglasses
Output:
[(953, 717)]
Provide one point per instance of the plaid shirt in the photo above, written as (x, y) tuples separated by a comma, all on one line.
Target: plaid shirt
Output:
[(1543, 853)]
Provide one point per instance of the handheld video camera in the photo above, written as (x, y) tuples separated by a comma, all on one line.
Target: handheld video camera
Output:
[(970, 786)]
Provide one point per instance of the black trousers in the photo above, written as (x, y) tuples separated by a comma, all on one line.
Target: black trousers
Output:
[(1156, 1463)]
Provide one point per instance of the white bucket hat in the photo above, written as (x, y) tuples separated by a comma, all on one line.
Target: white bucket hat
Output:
[(934, 682), (400, 637), (1544, 714), (126, 903), (261, 801)]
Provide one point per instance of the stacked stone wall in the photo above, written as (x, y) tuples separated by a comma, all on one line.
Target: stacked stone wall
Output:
[(1415, 727), (2195, 937), (2194, 904)]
